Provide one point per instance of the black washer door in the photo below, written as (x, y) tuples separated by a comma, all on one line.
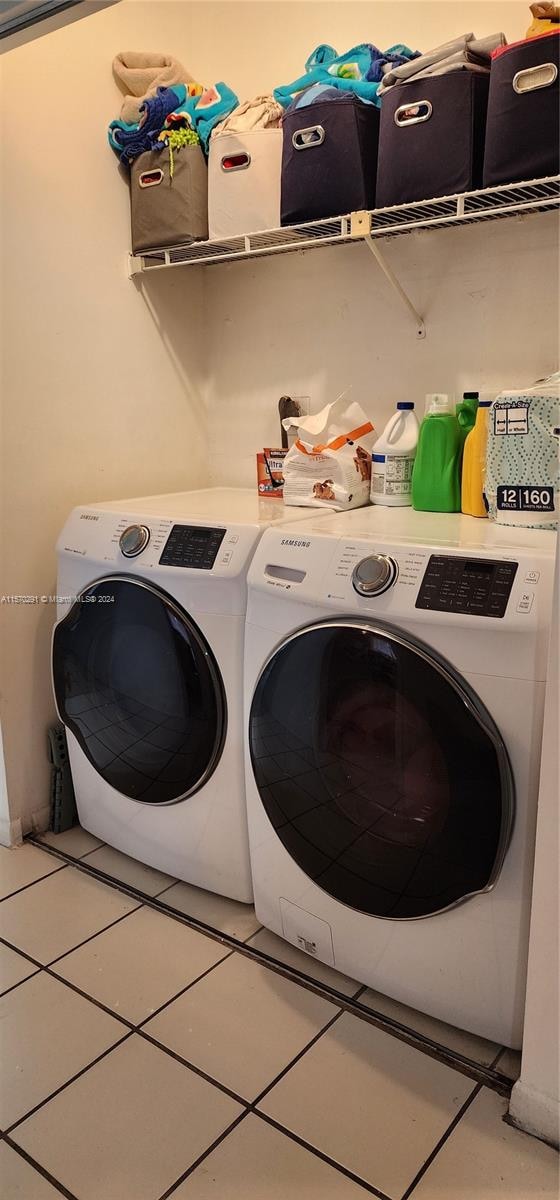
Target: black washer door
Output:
[(137, 684), (382, 774)]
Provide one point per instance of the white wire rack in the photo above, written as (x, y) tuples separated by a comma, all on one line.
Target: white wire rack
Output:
[(466, 208)]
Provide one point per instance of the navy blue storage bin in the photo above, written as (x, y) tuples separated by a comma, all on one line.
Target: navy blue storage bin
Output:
[(431, 141), (329, 159), (523, 132)]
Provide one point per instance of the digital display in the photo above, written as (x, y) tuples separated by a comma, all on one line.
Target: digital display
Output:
[(192, 546), (479, 568)]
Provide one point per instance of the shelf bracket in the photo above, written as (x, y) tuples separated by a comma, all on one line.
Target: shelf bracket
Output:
[(360, 225), (135, 265), (392, 279)]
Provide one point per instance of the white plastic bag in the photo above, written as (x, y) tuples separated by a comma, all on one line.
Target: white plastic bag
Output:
[(329, 465)]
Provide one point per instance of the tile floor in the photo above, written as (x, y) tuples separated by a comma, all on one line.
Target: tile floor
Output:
[(143, 1059)]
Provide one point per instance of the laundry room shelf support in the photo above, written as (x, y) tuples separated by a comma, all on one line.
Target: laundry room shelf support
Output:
[(360, 225)]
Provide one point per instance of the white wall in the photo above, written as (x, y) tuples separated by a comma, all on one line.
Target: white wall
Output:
[(535, 1101), (95, 405), (110, 388)]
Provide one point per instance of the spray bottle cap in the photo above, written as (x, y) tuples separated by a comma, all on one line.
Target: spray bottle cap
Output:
[(470, 395), (437, 402), (404, 404)]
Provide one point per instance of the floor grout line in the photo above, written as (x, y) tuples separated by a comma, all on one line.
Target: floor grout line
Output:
[(447, 1133), (25, 887), (92, 936), (140, 1025), (185, 1062), (76, 857), (63, 1086), (469, 1068), (205, 1154), (32, 1162), (368, 1187), (297, 1058), (451, 1127), (438, 1146), (13, 987)]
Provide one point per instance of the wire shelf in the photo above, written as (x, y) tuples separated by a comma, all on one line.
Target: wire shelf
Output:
[(465, 208)]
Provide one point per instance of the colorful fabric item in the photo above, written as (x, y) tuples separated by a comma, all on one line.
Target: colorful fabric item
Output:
[(263, 112), (131, 140), (359, 70), (199, 109), (139, 76), (206, 111), (464, 53)]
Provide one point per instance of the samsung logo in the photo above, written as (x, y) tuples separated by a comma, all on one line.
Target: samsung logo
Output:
[(295, 542), (89, 516)]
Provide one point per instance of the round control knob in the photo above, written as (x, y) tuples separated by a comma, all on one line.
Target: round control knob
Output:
[(134, 540), (374, 575)]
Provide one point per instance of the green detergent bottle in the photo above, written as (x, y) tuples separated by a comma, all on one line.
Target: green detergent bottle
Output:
[(435, 478), (466, 413)]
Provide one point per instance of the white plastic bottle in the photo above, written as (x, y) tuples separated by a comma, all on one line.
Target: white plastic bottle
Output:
[(393, 458)]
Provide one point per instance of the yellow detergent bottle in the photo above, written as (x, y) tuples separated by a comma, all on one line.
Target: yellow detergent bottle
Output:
[(474, 462)]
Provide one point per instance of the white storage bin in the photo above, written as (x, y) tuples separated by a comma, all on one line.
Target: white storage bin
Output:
[(244, 171)]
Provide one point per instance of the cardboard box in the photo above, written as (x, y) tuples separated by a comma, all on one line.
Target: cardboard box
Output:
[(270, 473)]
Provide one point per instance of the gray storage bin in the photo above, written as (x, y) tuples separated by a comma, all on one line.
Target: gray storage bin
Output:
[(167, 209)]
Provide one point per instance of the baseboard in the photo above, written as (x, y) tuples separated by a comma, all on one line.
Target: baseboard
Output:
[(535, 1113), (13, 832)]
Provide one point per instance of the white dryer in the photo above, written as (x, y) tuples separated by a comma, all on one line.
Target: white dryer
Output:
[(394, 677), (147, 665)]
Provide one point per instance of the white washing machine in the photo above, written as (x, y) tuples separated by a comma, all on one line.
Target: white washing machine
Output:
[(394, 678), (147, 670)]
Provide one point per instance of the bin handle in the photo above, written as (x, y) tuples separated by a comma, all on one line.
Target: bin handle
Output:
[(532, 78), (236, 162), (306, 139), (148, 179), (413, 114)]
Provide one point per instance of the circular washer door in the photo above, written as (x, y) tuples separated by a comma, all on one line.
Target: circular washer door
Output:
[(138, 685), (382, 773)]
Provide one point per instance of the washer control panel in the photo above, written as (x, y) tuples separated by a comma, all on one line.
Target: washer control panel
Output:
[(479, 587), (192, 546)]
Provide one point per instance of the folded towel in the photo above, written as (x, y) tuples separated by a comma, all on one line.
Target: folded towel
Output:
[(359, 70), (464, 53), (139, 75), (263, 112)]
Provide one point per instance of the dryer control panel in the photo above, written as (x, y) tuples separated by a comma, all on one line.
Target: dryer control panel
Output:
[(476, 586), (192, 546)]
